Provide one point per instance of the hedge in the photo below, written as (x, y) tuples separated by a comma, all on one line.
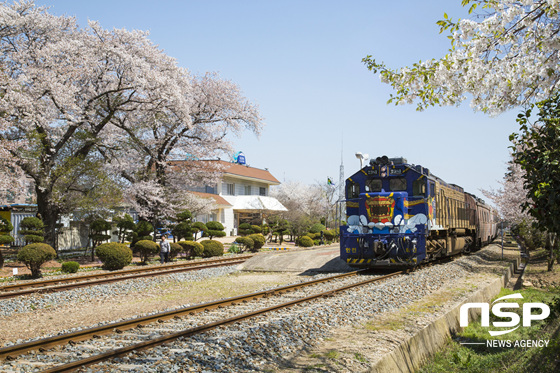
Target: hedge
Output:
[(246, 242), (212, 248), (175, 250), (191, 248), (114, 255), (258, 240), (146, 249), (70, 267), (305, 241)]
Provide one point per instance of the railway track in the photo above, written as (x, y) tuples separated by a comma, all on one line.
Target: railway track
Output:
[(66, 283), (118, 339)]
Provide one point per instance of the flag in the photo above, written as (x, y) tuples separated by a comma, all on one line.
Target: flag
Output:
[(329, 181)]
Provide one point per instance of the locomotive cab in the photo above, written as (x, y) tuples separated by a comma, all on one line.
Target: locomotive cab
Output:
[(388, 208)]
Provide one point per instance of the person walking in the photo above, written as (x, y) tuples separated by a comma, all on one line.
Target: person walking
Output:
[(165, 249)]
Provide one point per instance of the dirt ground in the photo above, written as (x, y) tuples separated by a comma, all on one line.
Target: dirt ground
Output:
[(536, 274)]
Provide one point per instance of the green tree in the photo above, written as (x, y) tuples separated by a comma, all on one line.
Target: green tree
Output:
[(215, 229), (32, 229), (183, 228), (5, 237), (125, 227), (199, 226), (98, 233), (537, 150), (142, 231), (34, 255)]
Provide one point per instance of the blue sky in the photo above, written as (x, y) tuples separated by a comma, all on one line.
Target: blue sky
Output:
[(300, 62)]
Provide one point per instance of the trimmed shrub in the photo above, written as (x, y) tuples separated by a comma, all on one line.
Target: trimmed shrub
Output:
[(246, 242), (175, 250), (191, 248), (256, 229), (6, 239), (146, 249), (199, 227), (212, 248), (245, 229), (183, 230), (258, 240), (34, 255), (70, 267), (329, 235), (32, 229), (114, 255), (317, 228), (215, 229), (305, 241)]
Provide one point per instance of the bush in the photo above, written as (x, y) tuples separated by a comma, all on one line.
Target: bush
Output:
[(34, 255), (258, 240), (6, 239), (305, 241), (146, 249), (199, 227), (70, 267), (234, 249), (317, 228), (256, 229), (114, 255), (329, 235), (245, 229), (212, 248), (191, 248), (215, 229), (175, 250), (32, 229), (246, 242)]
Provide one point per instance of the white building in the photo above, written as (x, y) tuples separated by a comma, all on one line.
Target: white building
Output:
[(241, 196)]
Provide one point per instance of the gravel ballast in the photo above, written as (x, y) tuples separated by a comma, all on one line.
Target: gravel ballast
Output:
[(272, 342)]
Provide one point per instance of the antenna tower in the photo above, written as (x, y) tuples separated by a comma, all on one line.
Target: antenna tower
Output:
[(341, 183)]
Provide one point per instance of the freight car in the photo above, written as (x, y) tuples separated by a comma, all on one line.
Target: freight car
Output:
[(400, 215)]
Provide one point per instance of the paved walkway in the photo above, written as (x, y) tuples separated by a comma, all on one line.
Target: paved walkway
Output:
[(323, 259)]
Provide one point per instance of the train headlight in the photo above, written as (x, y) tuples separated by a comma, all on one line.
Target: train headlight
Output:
[(383, 171)]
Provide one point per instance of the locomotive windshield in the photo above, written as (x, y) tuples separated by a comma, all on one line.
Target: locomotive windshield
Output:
[(397, 184), (419, 188), (352, 189), (373, 185)]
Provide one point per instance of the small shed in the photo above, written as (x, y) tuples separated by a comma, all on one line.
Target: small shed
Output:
[(15, 213)]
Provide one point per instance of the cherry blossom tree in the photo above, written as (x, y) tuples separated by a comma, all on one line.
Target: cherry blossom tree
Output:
[(505, 57), (158, 181), (306, 205), (510, 198), (65, 89)]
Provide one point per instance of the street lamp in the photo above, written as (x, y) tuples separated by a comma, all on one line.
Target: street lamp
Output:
[(363, 158)]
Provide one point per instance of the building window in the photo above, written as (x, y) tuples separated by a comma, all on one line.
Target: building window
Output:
[(230, 189), (247, 190), (262, 191)]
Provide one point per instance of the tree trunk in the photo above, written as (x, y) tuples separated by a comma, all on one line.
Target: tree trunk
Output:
[(48, 213), (551, 245)]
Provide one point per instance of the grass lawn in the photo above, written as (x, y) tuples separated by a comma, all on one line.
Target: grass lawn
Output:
[(456, 357)]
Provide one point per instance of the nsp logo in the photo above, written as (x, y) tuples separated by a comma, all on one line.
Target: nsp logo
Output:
[(497, 310)]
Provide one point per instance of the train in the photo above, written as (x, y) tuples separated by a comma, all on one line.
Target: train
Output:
[(401, 215)]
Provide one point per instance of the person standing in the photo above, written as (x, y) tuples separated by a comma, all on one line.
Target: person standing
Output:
[(165, 249)]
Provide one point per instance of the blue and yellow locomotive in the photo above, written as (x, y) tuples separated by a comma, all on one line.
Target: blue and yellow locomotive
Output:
[(400, 214)]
